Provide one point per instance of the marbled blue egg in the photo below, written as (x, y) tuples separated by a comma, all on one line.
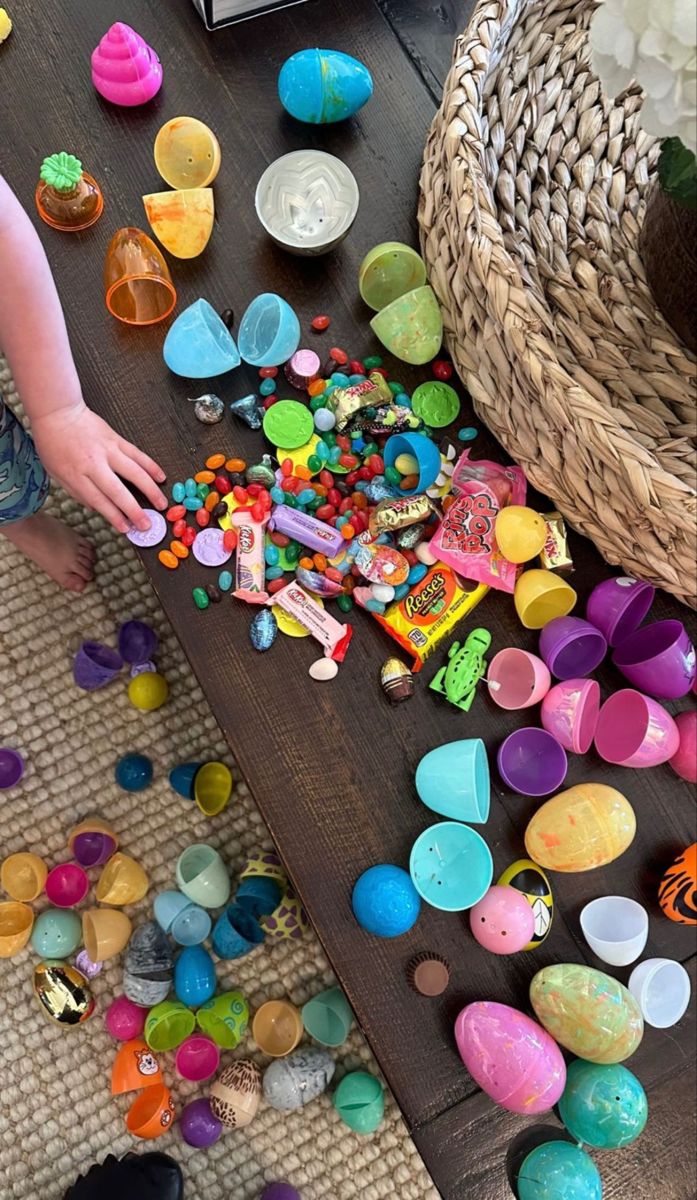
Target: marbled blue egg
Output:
[(322, 86), (263, 630)]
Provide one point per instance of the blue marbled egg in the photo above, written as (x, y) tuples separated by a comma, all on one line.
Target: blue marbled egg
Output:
[(322, 86), (263, 630)]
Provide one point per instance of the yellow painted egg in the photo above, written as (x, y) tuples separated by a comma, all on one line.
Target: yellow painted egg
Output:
[(63, 993), (590, 1013), (236, 1093), (525, 876), (587, 826)]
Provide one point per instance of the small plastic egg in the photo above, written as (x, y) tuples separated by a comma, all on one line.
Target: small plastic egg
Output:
[(236, 1093), (194, 976), (603, 1104), (586, 826), (512, 1058), (322, 86), (559, 1171), (133, 772), (148, 691), (502, 921), (360, 1102), (590, 1013), (531, 881), (292, 1082), (385, 901), (63, 993)]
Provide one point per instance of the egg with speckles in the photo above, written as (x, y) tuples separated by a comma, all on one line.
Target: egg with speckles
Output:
[(263, 630), (294, 1081), (590, 1013), (236, 1093), (512, 1058)]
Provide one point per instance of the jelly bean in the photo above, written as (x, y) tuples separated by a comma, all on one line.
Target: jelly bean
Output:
[(372, 362), (405, 401), (354, 379), (201, 599), (316, 387), (333, 574), (274, 572), (168, 559), (279, 539), (230, 539), (287, 468), (213, 593), (417, 573), (320, 323), (293, 552), (331, 387), (277, 494), (401, 591), (305, 496), (340, 379), (442, 370), (220, 510), (341, 521), (188, 537), (410, 557), (379, 371), (235, 464), (396, 387), (392, 476), (202, 517), (215, 461), (179, 550), (464, 435), (240, 494), (178, 527), (178, 492), (406, 464), (204, 476), (370, 448), (267, 387), (222, 485), (275, 585), (320, 562), (322, 451), (225, 581), (190, 487), (340, 356), (316, 503), (335, 454), (324, 421), (364, 473), (356, 367), (326, 478), (291, 501), (345, 505), (316, 403), (269, 402), (329, 367), (176, 512), (302, 472), (314, 463), (409, 482), (272, 555), (345, 603), (359, 500), (288, 485), (211, 501), (348, 531), (254, 489), (306, 563), (268, 372), (193, 503), (343, 442), (202, 491), (325, 512), (258, 511), (374, 606), (348, 460)]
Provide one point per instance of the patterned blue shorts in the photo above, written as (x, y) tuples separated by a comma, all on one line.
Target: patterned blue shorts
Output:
[(23, 481)]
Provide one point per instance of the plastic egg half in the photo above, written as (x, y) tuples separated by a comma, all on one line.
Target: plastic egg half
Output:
[(510, 1056), (322, 86), (587, 1011), (236, 1093), (603, 1104), (586, 826), (559, 1171), (531, 881), (502, 921)]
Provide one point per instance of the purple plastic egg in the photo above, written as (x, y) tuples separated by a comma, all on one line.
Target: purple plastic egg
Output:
[(618, 606), (137, 642), (95, 665), (512, 1058), (658, 659), (94, 848), (199, 1127), (279, 1191), (503, 920)]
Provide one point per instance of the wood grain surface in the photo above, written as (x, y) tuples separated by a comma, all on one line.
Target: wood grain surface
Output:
[(330, 766)]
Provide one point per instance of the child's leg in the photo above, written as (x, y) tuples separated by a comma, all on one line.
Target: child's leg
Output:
[(53, 546)]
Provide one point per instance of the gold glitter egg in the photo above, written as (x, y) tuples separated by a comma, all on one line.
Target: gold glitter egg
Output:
[(63, 993)]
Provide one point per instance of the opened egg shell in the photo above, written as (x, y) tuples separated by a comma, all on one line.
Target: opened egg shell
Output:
[(236, 1093), (587, 1011), (586, 826), (510, 1056), (63, 993), (525, 876), (294, 1081), (322, 86), (677, 894)]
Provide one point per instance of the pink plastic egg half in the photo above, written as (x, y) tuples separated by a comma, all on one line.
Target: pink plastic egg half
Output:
[(503, 921), (512, 1058)]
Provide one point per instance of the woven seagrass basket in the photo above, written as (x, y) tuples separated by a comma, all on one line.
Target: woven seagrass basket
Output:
[(533, 191)]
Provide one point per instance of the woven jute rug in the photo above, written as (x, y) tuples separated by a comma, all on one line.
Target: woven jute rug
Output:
[(57, 1114)]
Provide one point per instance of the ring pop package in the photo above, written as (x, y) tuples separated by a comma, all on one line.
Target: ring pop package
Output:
[(465, 539), (423, 619)]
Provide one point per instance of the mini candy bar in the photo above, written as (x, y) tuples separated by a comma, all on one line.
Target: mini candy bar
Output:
[(390, 515), (428, 614), (307, 530), (555, 553), (346, 402), (390, 418), (249, 564), (329, 633)]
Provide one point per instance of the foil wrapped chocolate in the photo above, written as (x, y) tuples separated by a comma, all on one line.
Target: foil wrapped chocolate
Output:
[(396, 680), (392, 514), (263, 630), (388, 419), (555, 553), (262, 472), (208, 409), (249, 409), (345, 403)]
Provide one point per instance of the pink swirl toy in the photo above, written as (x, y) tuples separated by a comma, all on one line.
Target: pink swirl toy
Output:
[(125, 70), (512, 1058)]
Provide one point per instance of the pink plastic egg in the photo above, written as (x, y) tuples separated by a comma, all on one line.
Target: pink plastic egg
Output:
[(503, 920), (512, 1058), (124, 1019), (684, 761)]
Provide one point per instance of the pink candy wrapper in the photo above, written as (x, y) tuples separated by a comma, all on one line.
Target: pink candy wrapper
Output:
[(465, 539), (329, 633), (249, 564)]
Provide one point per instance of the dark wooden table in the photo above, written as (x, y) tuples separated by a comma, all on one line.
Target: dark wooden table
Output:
[(331, 767)]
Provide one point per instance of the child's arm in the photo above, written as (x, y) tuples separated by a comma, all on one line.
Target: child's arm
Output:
[(76, 446)]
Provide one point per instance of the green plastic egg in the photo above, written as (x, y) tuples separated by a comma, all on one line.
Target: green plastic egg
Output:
[(360, 1102), (603, 1105), (590, 1013), (559, 1171)]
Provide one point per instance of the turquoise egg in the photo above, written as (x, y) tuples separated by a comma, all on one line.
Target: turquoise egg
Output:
[(603, 1105), (194, 976), (181, 778), (559, 1171), (57, 933), (321, 86)]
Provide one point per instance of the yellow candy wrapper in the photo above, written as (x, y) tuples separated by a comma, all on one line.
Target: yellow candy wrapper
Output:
[(428, 614)]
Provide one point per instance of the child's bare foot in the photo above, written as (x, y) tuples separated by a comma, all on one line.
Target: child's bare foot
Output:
[(55, 548)]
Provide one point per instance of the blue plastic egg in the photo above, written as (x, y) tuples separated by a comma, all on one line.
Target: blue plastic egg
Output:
[(194, 976), (321, 86), (199, 345), (181, 778), (559, 1171), (385, 901), (603, 1104), (133, 772)]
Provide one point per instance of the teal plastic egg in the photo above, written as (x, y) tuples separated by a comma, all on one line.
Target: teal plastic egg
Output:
[(57, 933), (322, 86), (603, 1105), (559, 1171)]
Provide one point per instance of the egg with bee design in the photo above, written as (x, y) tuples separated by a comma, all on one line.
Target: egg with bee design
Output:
[(525, 876)]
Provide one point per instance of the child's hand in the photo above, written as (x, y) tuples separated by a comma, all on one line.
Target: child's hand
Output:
[(89, 460)]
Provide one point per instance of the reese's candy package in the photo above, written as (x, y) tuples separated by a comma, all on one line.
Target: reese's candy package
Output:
[(423, 620)]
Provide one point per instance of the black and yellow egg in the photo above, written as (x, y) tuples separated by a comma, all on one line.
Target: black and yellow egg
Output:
[(525, 876), (63, 993)]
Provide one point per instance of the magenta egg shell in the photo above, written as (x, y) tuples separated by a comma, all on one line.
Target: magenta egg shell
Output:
[(512, 1058), (684, 761), (503, 921)]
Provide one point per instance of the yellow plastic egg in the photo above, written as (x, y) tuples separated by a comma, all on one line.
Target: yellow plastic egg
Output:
[(589, 1012), (181, 220), (520, 533), (587, 826), (148, 691)]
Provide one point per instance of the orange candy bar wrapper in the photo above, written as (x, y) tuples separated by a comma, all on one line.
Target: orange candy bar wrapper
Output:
[(428, 614)]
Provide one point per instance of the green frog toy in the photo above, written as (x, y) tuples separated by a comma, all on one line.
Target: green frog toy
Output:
[(458, 680)]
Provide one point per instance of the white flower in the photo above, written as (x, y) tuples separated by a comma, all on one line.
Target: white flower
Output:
[(655, 43)]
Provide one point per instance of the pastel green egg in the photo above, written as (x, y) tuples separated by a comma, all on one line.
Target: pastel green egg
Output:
[(559, 1171), (57, 933), (587, 1011), (603, 1105)]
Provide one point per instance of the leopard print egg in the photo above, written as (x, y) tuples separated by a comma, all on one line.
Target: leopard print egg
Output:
[(235, 1094)]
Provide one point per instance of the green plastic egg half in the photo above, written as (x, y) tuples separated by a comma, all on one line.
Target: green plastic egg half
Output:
[(360, 1102), (559, 1171), (603, 1105)]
